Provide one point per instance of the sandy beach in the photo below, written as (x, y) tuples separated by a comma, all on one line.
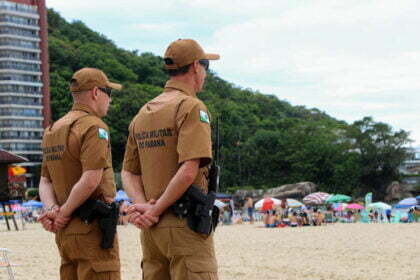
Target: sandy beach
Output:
[(332, 252)]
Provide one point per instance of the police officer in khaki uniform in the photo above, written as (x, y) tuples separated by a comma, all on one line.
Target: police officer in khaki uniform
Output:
[(77, 165), (168, 149)]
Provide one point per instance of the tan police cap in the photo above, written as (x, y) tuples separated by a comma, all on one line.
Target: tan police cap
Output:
[(183, 52), (88, 78)]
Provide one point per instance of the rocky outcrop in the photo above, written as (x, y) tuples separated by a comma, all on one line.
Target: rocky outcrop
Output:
[(298, 191), (240, 195), (396, 191)]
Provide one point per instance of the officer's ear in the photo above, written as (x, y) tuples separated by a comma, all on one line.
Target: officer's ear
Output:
[(95, 93), (195, 66)]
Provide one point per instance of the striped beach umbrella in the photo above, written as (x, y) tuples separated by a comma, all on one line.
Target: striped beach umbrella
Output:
[(316, 198), (407, 203), (293, 203)]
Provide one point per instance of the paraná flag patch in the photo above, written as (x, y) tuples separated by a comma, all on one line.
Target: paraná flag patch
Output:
[(204, 117), (103, 134)]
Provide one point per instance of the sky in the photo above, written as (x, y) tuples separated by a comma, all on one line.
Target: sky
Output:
[(351, 59)]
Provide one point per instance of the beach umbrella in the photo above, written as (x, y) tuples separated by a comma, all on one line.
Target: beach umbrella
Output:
[(407, 203), (316, 198), (17, 207), (379, 205), (266, 202), (355, 206), (223, 196), (219, 203), (33, 203), (339, 198), (339, 206), (293, 203), (121, 195)]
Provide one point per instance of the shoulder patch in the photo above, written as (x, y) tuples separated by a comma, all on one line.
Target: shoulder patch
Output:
[(204, 117), (103, 134)]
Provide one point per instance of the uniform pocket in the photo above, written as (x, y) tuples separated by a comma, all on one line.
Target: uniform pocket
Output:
[(201, 268), (106, 270), (76, 226)]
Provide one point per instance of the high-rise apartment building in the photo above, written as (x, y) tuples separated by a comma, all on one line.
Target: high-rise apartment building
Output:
[(24, 77)]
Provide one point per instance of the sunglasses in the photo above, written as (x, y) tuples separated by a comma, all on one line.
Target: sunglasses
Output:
[(205, 63), (107, 90)]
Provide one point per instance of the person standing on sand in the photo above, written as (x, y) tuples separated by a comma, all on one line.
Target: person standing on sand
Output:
[(76, 167), (168, 149), (249, 205)]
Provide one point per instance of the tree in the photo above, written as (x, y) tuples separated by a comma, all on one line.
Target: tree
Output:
[(381, 152)]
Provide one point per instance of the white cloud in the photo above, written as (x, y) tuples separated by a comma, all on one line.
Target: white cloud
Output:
[(337, 53), (350, 58)]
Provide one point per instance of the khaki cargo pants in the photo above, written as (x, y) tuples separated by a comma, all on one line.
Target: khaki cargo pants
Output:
[(82, 258), (177, 253)]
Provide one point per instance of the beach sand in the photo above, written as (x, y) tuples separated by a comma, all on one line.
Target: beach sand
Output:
[(332, 252)]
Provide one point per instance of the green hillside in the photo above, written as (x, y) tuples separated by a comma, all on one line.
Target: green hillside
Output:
[(266, 141)]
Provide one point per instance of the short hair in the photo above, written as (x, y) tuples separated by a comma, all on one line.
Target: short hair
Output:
[(180, 71), (74, 83)]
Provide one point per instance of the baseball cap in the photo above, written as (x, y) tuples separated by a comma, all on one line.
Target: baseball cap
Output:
[(88, 78), (183, 52)]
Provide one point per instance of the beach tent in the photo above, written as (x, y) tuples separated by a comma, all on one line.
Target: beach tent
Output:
[(121, 195), (407, 203), (316, 198), (339, 198), (32, 203), (265, 202), (379, 205)]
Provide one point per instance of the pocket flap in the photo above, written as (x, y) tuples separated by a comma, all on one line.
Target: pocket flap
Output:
[(197, 264), (76, 226), (105, 266)]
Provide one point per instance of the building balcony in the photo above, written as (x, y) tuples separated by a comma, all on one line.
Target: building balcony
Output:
[(22, 32), (21, 83), (13, 65), (29, 118), (22, 128), (18, 18), (15, 43), (21, 60), (13, 48), (16, 71), (22, 26), (20, 8), (18, 94), (20, 37), (22, 106), (21, 140), (11, 101)]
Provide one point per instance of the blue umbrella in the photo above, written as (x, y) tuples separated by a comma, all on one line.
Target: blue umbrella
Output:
[(33, 203), (223, 196), (407, 203), (121, 195), (418, 199)]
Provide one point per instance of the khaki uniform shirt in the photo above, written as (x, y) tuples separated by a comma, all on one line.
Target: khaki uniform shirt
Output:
[(168, 130), (78, 142)]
